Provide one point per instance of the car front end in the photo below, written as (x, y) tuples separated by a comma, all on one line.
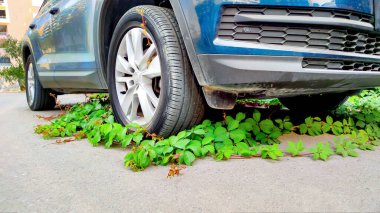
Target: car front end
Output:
[(284, 48)]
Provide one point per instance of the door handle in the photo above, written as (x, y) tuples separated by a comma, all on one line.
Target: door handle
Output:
[(54, 11), (32, 26)]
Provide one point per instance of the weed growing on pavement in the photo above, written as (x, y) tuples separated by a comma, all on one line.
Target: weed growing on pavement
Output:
[(241, 136)]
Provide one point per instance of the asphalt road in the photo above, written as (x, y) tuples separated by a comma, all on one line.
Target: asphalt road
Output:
[(41, 176)]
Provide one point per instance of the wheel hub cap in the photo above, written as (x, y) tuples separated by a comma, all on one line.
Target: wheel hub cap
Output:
[(31, 88), (138, 74)]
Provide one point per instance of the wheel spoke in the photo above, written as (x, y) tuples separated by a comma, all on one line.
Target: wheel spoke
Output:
[(126, 100), (150, 94), (132, 115), (123, 79), (130, 51), (123, 65), (154, 68), (137, 44), (31, 88), (145, 104), (146, 59)]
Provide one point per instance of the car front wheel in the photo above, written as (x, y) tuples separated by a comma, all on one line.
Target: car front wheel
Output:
[(149, 76)]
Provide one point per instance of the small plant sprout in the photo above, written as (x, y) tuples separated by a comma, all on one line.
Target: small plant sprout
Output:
[(322, 151), (273, 152), (345, 147), (295, 148)]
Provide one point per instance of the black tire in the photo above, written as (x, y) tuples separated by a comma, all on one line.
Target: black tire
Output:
[(315, 105), (42, 99), (181, 104)]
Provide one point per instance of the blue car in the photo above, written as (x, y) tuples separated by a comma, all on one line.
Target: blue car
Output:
[(165, 61)]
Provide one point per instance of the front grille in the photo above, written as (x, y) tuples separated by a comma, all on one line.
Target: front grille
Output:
[(230, 12), (327, 64), (317, 37)]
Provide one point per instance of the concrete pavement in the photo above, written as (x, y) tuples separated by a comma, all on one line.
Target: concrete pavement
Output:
[(41, 176)]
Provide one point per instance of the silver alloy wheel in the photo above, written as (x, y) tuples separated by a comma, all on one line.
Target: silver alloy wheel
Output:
[(31, 87), (137, 76)]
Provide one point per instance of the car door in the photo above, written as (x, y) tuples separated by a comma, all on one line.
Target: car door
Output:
[(73, 23), (41, 36)]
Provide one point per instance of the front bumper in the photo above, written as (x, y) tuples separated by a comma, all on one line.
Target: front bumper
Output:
[(271, 76), (233, 76)]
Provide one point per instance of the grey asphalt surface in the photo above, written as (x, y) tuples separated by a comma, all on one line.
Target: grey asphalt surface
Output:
[(39, 175)]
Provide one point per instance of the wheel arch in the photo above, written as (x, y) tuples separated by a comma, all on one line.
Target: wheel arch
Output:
[(113, 10), (26, 52), (110, 14)]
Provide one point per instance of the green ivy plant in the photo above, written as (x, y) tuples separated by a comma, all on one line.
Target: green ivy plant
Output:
[(242, 135)]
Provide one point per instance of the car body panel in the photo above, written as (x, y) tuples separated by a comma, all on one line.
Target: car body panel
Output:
[(70, 59), (202, 18), (75, 65), (78, 63), (43, 46)]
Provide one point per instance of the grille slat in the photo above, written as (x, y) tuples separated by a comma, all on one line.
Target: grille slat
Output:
[(309, 12), (327, 64), (317, 37)]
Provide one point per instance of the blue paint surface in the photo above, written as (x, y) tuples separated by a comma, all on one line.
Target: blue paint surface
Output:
[(203, 18)]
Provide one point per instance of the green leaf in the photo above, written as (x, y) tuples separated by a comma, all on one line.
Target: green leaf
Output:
[(243, 149), (234, 124), (167, 149), (188, 158), (303, 129), (360, 124), (182, 134), (376, 142), (273, 152), (138, 138), (126, 141), (208, 149), (322, 151), (275, 134), (94, 138), (166, 159), (288, 125), (143, 160), (110, 119), (326, 128), (221, 134), (181, 144), (240, 116), (329, 120), (266, 126), (200, 132), (110, 138), (207, 140), (353, 153), (309, 120), (256, 116), (206, 123), (237, 135), (295, 149), (195, 147), (337, 130)]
